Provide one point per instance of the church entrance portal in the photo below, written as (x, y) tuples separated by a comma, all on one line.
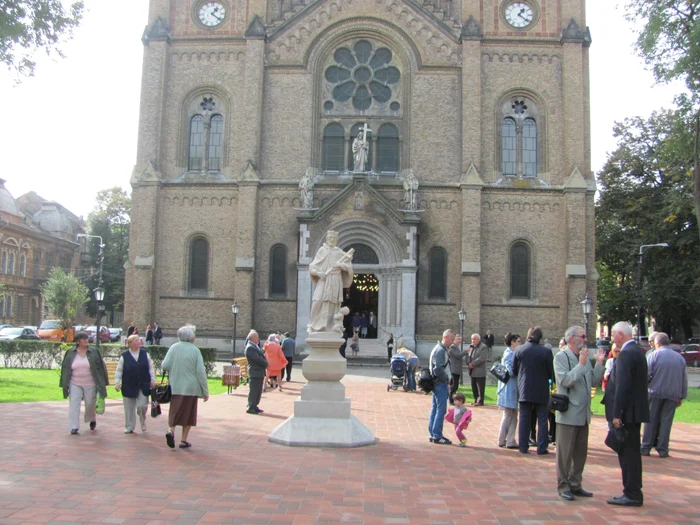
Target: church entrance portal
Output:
[(362, 298)]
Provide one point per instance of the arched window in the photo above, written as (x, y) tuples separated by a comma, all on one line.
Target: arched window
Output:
[(388, 148), (3, 264), (278, 270), (11, 265), (438, 274), (8, 306), (354, 132), (2, 305), (509, 152), (199, 264), (520, 271), (196, 150), (333, 147), (529, 148), (216, 142), (363, 254), (22, 265)]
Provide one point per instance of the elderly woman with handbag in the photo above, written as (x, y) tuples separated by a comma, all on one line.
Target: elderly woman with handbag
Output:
[(135, 377), (508, 396), (188, 382), (83, 377)]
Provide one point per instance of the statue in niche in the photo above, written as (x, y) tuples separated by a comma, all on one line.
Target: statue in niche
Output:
[(306, 186), (331, 271), (410, 191), (360, 149)]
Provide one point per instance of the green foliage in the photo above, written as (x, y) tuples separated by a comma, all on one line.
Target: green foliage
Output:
[(110, 219), (26, 26), (64, 294), (32, 354), (645, 198)]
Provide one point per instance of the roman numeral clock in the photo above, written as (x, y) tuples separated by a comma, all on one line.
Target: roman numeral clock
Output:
[(520, 15)]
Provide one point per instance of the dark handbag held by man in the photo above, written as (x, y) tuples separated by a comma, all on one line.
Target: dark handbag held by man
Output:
[(616, 438), (500, 372), (162, 393), (558, 402)]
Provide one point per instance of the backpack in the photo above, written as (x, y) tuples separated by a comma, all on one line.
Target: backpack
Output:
[(426, 381)]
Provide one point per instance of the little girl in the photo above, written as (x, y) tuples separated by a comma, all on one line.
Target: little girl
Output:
[(459, 416)]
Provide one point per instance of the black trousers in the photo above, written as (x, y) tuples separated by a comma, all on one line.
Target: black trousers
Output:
[(255, 384), (526, 411), (630, 458), (455, 386), (288, 368), (478, 387)]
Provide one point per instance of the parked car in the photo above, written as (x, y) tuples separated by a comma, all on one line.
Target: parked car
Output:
[(5, 326), (693, 341), (603, 344), (35, 328), (115, 334), (104, 333), (9, 333), (691, 354), (52, 330)]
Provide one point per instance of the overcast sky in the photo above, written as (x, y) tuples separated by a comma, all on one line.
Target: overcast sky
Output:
[(72, 129)]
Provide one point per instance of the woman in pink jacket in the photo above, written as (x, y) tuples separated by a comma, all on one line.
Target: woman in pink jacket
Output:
[(277, 361)]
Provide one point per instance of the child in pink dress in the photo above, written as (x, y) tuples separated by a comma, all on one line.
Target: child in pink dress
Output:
[(459, 416)]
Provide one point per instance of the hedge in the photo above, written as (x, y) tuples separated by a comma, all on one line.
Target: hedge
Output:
[(47, 354)]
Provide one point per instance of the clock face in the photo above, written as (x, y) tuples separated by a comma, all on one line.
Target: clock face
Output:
[(519, 14), (212, 13)]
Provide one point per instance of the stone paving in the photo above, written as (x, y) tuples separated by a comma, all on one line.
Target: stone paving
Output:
[(233, 475)]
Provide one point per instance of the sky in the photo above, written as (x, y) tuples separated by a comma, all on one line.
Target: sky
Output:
[(72, 129)]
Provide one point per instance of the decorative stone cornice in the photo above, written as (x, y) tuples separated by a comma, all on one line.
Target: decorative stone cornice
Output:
[(573, 34), (256, 29), (471, 178), (471, 30), (158, 32)]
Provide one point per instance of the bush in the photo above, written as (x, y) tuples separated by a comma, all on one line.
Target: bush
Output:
[(47, 354)]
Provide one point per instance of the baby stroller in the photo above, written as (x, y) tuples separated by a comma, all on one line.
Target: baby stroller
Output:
[(399, 376)]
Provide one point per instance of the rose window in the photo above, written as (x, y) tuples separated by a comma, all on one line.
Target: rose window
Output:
[(363, 74)]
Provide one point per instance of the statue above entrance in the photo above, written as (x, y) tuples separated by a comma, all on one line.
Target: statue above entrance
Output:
[(306, 186), (360, 149), (410, 191), (331, 271)]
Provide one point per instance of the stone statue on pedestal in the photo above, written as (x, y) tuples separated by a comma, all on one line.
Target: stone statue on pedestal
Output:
[(331, 271), (410, 193), (306, 186), (360, 149)]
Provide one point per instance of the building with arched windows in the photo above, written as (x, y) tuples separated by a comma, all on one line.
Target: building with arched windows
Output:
[(485, 103)]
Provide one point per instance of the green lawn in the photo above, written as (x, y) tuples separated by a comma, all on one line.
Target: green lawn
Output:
[(21, 385), (689, 411)]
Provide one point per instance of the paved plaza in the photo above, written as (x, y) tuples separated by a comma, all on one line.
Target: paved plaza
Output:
[(233, 475)]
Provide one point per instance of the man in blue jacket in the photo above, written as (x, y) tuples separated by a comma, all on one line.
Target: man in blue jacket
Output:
[(439, 366)]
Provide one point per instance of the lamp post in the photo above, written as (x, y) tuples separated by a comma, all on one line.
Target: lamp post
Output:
[(234, 310), (586, 305), (640, 258), (99, 291), (462, 317)]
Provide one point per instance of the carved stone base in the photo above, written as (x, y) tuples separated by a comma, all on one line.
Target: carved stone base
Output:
[(322, 415)]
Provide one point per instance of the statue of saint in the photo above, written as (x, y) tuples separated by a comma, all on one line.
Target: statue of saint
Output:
[(306, 185), (410, 191), (331, 271), (360, 149)]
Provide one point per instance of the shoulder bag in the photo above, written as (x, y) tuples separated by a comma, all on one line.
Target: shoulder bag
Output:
[(500, 372), (162, 393), (560, 402)]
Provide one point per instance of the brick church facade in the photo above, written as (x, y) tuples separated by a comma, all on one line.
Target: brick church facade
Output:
[(477, 190)]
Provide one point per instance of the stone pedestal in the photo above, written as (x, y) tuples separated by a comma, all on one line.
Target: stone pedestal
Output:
[(322, 415)]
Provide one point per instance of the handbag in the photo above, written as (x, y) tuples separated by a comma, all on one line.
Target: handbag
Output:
[(616, 438), (558, 402), (426, 381), (155, 408), (162, 393), (500, 372)]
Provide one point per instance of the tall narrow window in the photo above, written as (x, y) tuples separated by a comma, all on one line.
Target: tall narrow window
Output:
[(11, 264), (8, 306), (509, 150), (20, 307), (333, 147), (354, 132), (216, 142), (520, 271), (388, 148), (2, 305), (278, 270), (22, 265), (3, 264), (199, 264), (196, 152), (438, 274), (37, 263), (529, 148)]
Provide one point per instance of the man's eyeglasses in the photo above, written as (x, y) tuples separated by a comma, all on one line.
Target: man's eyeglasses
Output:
[(582, 336)]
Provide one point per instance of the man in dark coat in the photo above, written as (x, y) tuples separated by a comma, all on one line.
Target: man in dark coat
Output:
[(257, 364), (533, 364), (157, 332), (626, 406)]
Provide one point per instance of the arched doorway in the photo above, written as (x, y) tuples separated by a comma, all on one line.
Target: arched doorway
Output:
[(362, 298)]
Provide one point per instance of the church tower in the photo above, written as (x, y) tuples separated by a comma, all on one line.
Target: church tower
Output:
[(446, 141)]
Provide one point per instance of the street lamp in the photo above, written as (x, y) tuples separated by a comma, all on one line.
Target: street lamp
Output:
[(462, 316), (586, 305), (234, 309), (99, 297), (640, 258)]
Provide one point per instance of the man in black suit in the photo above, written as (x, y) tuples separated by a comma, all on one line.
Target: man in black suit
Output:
[(533, 365), (257, 365), (626, 406)]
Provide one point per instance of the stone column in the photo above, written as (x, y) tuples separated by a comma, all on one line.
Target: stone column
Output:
[(575, 201), (471, 186), (254, 89), (246, 236), (304, 286)]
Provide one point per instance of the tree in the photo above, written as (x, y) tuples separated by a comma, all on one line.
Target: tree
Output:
[(26, 26), (64, 294), (669, 42), (645, 199), (110, 219)]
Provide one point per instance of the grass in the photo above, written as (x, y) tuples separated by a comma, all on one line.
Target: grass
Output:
[(21, 385), (688, 412)]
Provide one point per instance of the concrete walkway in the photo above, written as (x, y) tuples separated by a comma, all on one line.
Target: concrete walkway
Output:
[(233, 475)]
